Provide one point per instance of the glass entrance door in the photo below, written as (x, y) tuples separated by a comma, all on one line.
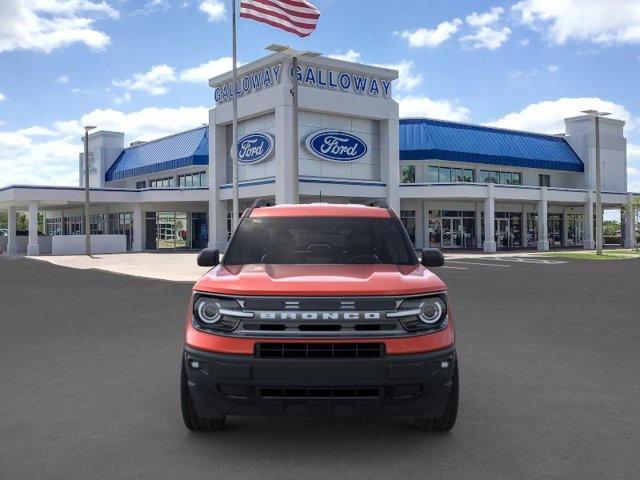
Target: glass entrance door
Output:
[(452, 233), (504, 236)]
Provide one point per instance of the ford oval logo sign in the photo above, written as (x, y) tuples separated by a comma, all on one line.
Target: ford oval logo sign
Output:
[(255, 148), (336, 146)]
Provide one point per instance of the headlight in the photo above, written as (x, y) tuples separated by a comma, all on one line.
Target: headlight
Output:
[(213, 313), (208, 310), (426, 313), (431, 310)]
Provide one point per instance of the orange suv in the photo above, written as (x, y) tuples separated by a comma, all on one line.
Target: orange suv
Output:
[(319, 309)]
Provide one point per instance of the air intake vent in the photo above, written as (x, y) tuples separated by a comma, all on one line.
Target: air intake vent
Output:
[(320, 350), (331, 393)]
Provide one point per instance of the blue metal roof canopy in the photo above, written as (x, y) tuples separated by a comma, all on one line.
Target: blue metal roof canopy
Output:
[(183, 149), (427, 139)]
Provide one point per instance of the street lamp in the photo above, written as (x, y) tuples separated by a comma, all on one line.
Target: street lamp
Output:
[(294, 54), (87, 217), (596, 114)]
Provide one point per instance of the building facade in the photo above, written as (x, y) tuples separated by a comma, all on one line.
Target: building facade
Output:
[(455, 186)]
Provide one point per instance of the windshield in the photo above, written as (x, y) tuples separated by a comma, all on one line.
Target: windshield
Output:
[(320, 240)]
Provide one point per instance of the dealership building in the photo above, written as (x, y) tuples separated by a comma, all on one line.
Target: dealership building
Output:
[(454, 185)]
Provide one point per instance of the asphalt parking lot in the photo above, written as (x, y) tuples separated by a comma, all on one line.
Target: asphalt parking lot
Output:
[(550, 369)]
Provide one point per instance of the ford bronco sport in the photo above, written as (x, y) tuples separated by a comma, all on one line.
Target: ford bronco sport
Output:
[(319, 309)]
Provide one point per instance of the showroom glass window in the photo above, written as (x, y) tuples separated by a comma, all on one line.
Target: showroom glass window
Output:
[(503, 178), (448, 175), (408, 174)]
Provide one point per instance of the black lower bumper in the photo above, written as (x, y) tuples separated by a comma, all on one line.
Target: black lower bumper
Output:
[(245, 385)]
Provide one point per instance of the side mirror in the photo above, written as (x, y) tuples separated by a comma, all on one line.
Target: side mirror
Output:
[(432, 257), (209, 257)]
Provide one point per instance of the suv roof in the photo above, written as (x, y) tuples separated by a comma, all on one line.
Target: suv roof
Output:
[(320, 210)]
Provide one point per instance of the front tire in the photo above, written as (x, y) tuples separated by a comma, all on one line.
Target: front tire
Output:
[(445, 422), (192, 420)]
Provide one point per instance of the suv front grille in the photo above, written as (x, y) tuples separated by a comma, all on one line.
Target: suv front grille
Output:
[(312, 393), (320, 350), (321, 304)]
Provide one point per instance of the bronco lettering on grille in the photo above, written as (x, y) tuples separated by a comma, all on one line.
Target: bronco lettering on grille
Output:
[(319, 315)]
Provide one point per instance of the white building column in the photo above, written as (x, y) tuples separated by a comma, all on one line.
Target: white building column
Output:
[(283, 155), (12, 246), (138, 219), (629, 224), (478, 225), (489, 245), (390, 159), (218, 209), (543, 237), (589, 242), (33, 247)]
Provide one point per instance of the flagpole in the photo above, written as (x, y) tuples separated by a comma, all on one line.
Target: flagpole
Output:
[(294, 132), (234, 148)]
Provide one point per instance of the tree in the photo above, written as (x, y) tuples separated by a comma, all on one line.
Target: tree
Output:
[(3, 220), (610, 228)]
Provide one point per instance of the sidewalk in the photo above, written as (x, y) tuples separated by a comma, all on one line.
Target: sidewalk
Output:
[(175, 267)]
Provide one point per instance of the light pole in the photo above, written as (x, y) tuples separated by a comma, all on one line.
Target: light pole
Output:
[(87, 218), (295, 146), (596, 114)]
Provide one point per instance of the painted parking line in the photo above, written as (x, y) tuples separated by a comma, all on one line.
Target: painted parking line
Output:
[(478, 263), (455, 268), (541, 261)]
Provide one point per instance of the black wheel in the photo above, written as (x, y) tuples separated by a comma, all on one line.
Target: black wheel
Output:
[(192, 420), (448, 418)]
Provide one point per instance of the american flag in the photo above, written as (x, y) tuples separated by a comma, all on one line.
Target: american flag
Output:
[(295, 16)]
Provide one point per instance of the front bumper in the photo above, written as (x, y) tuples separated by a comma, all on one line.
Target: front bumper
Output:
[(222, 384)]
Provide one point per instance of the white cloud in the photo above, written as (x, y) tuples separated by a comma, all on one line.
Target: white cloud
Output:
[(36, 131), (203, 72), (349, 56), (523, 75), (420, 106), (487, 37), (120, 99), (486, 18), (154, 81), (548, 116), (2, 96), (48, 155), (595, 21), (63, 79), (407, 78), (424, 37), (525, 42), (153, 6), (526, 75), (45, 25), (214, 9), (157, 80)]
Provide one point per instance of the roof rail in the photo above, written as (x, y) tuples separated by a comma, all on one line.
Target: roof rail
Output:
[(377, 202), (261, 202)]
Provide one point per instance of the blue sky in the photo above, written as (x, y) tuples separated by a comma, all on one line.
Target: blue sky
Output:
[(141, 66)]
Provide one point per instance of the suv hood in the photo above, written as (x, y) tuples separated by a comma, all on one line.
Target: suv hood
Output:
[(319, 280)]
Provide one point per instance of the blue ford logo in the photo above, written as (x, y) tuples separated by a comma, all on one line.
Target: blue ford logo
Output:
[(336, 146), (255, 147)]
